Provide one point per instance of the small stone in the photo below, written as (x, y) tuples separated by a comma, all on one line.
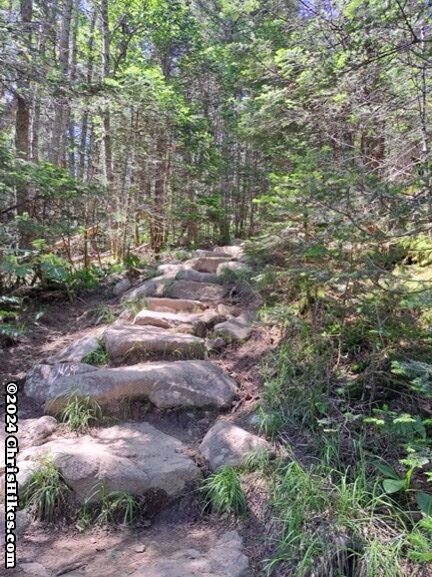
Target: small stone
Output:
[(140, 548)]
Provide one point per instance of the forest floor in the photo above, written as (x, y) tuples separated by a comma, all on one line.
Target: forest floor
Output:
[(65, 548)]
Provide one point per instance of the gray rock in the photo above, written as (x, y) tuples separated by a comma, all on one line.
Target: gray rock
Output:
[(225, 559), (204, 292), (170, 270), (152, 287), (234, 266), (231, 251), (227, 444), (216, 345), (166, 320), (235, 329), (121, 287), (40, 429), (134, 341), (132, 457), (22, 521), (41, 378), (196, 276), (78, 350), (207, 264), (174, 305), (165, 384)]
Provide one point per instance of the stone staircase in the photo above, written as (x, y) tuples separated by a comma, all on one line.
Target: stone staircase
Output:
[(158, 355)]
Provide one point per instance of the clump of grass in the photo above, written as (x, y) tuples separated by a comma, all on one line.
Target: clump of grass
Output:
[(112, 508), (80, 413), (103, 315), (98, 358), (223, 493), (46, 494)]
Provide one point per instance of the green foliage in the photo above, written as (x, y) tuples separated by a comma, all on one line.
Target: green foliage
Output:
[(98, 357), (223, 493), (80, 413), (111, 508), (45, 494)]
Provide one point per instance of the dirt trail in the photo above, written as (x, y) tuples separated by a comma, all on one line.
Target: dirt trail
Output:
[(181, 525)]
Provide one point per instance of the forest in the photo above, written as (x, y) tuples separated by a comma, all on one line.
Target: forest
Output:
[(271, 161)]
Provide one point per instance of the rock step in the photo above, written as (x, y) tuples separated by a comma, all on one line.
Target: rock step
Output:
[(129, 342), (165, 384), (174, 305), (131, 457), (197, 324), (204, 292), (207, 264), (196, 276)]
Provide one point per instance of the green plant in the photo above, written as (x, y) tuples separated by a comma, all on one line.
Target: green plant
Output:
[(223, 493), (98, 358), (112, 507), (103, 315), (393, 483), (45, 494), (80, 412)]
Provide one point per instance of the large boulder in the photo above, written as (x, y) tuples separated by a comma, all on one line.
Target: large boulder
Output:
[(132, 457), (174, 305), (135, 341), (165, 384), (225, 559), (227, 444), (205, 292), (207, 264), (41, 379)]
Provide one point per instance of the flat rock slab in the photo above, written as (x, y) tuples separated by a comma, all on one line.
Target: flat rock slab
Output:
[(165, 384), (174, 305), (227, 444), (132, 457), (207, 264), (196, 276), (166, 320), (204, 292), (225, 559), (235, 329), (134, 341)]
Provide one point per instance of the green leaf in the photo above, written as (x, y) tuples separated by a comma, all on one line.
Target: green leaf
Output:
[(386, 470), (391, 486), (424, 501)]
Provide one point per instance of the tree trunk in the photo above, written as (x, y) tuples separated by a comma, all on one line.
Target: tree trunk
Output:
[(22, 125)]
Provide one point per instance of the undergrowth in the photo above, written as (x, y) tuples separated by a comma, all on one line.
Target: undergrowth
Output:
[(351, 379), (46, 494)]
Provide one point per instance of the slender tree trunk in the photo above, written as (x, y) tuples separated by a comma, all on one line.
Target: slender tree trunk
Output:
[(22, 124), (58, 143)]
